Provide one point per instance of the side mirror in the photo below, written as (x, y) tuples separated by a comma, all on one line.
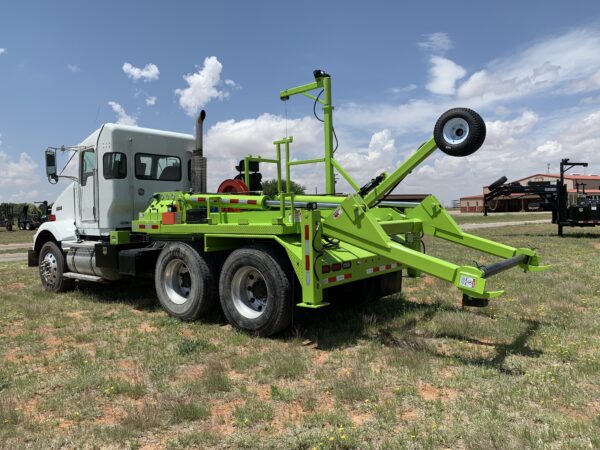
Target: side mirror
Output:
[(51, 165)]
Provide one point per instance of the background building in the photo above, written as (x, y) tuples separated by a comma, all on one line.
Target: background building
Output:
[(521, 202)]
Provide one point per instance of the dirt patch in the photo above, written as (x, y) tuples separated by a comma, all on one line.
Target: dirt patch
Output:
[(145, 327), (221, 418), (430, 393), (359, 418), (53, 341), (596, 245), (288, 413), (409, 415), (13, 356), (427, 280), (321, 358), (187, 333), (574, 414), (12, 287), (78, 315), (14, 329)]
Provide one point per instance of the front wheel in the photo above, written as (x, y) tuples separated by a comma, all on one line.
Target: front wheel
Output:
[(255, 290), (459, 132), (184, 281), (52, 267)]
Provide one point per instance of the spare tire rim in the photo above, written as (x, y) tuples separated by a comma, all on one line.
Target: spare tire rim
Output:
[(177, 282), (249, 292), (455, 131), (49, 268)]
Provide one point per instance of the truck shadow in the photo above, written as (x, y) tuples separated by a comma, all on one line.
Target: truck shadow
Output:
[(381, 322), (138, 293), (393, 322)]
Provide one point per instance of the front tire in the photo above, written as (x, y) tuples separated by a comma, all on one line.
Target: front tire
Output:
[(52, 265), (255, 290), (184, 281), (459, 132)]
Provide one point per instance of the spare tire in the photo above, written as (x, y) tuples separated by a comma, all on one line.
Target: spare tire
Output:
[(459, 132)]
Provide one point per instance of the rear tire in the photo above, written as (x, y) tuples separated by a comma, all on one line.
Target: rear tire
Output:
[(52, 266), (255, 290), (459, 132), (184, 282)]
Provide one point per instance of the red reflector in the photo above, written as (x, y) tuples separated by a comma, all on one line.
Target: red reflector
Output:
[(200, 199), (142, 227), (306, 235), (307, 262), (155, 227), (51, 218), (252, 202), (234, 200), (336, 266), (326, 269)]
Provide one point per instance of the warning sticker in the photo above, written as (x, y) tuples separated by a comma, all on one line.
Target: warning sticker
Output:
[(337, 213), (468, 282)]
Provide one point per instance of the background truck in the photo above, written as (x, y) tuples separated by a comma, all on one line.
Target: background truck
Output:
[(139, 207)]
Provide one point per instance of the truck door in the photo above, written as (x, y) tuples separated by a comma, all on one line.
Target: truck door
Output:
[(87, 186)]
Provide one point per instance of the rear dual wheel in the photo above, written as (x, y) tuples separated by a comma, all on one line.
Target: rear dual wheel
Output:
[(255, 290), (184, 281)]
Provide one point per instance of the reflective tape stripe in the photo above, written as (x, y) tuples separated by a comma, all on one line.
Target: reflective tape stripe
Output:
[(236, 201), (382, 268), (307, 254), (345, 276)]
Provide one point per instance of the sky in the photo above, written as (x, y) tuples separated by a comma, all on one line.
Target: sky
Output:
[(532, 72)]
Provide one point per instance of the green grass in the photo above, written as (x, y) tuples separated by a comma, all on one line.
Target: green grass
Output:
[(16, 236), (104, 366)]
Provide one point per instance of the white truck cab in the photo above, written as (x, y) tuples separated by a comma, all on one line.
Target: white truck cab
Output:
[(119, 168)]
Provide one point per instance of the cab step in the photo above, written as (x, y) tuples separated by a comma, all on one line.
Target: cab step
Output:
[(84, 277)]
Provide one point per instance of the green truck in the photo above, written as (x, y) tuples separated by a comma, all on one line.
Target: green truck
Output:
[(139, 208)]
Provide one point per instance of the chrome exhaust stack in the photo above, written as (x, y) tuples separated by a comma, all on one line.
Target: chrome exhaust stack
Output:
[(198, 160)]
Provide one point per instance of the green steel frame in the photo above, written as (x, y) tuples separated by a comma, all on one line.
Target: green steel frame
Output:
[(373, 239)]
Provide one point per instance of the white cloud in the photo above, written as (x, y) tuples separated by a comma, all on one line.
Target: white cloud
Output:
[(122, 117), (232, 84), (73, 68), (18, 173), (25, 196), (563, 64), (2, 51), (149, 72), (549, 148), (0, 138), (404, 89), (203, 86), (438, 43), (226, 143), (444, 74), (150, 101), (499, 133)]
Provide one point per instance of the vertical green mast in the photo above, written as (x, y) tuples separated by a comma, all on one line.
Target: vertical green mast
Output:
[(328, 134), (322, 81)]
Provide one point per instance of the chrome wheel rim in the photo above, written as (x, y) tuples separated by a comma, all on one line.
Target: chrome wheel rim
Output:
[(249, 292), (456, 130), (49, 269), (177, 282)]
